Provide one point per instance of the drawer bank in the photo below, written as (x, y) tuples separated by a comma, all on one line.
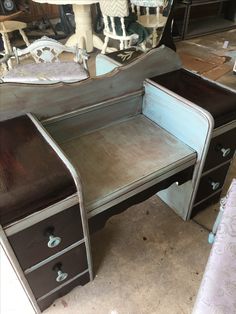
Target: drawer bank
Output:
[(73, 155)]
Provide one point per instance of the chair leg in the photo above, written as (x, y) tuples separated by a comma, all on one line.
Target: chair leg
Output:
[(25, 38), (7, 48), (106, 40), (121, 45), (126, 44)]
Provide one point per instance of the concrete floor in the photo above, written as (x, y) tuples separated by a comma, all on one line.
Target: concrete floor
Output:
[(147, 260)]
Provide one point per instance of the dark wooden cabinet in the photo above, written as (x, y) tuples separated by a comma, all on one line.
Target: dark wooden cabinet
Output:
[(200, 17), (41, 214)]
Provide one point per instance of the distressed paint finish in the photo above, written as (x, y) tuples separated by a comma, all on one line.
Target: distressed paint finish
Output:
[(121, 157), (187, 122), (50, 100), (75, 124)]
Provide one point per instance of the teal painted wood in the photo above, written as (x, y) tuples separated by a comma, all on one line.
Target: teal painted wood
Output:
[(105, 64), (190, 124), (46, 101)]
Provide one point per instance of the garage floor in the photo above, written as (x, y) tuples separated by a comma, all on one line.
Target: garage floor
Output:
[(147, 260)]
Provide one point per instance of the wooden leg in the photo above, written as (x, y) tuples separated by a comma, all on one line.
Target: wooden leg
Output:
[(105, 45), (121, 45), (25, 38), (7, 48)]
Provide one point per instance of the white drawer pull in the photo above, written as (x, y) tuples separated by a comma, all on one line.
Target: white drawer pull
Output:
[(53, 241), (225, 151), (61, 276), (215, 185)]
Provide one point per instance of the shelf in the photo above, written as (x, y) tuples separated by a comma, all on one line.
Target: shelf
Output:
[(208, 25)]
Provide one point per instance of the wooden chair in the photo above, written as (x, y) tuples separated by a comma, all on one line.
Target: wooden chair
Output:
[(7, 27), (150, 20), (115, 9), (47, 68)]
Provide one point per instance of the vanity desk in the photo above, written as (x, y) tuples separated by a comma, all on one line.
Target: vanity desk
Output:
[(72, 155)]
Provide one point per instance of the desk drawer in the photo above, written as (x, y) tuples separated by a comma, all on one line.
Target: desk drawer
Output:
[(32, 244), (221, 149), (211, 182), (58, 271), (46, 302)]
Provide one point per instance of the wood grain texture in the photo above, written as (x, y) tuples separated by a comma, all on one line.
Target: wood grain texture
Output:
[(220, 102), (51, 100), (32, 176), (123, 156)]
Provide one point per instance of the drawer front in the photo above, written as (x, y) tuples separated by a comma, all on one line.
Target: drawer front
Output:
[(208, 202), (221, 149), (58, 271), (211, 182), (47, 237), (46, 302)]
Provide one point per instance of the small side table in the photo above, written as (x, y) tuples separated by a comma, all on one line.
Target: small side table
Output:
[(83, 24)]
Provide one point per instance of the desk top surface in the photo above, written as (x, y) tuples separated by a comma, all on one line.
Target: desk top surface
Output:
[(32, 176), (124, 156)]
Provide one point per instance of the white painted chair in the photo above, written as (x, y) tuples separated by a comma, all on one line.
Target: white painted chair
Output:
[(48, 68), (7, 27), (112, 9), (148, 20)]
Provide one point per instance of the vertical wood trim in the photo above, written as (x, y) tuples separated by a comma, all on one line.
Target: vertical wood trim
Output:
[(78, 184)]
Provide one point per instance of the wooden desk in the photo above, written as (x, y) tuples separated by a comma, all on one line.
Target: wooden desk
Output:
[(122, 139)]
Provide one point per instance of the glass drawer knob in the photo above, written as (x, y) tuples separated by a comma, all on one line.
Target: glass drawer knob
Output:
[(61, 276), (53, 241), (215, 185), (225, 151)]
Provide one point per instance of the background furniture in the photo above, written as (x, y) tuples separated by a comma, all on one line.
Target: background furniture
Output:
[(111, 10), (217, 292), (48, 68), (150, 20), (199, 17), (7, 27), (83, 36)]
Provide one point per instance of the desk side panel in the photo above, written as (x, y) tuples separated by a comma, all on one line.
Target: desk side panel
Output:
[(188, 123)]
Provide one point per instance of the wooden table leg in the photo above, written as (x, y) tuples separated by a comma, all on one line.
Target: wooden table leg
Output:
[(83, 28)]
